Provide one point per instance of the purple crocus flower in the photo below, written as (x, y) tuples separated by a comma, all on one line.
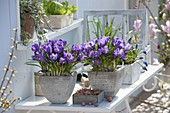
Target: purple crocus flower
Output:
[(36, 57), (80, 57), (69, 57), (62, 60), (92, 43), (167, 27), (128, 47), (40, 57), (86, 46), (61, 43), (86, 52), (76, 48), (35, 47), (118, 42), (101, 42), (47, 48), (53, 57), (137, 25), (119, 53), (52, 42), (97, 63), (105, 50), (95, 54), (107, 38), (57, 49)]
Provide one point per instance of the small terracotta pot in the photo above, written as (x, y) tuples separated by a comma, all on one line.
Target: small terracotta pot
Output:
[(28, 26)]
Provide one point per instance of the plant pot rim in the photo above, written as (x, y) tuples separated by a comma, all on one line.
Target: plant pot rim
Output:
[(132, 63), (119, 69), (60, 15), (59, 76)]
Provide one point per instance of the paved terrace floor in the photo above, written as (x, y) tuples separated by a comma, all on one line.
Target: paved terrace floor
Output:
[(160, 99)]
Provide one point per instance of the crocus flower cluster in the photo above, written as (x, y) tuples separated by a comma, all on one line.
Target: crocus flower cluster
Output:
[(54, 56), (104, 53)]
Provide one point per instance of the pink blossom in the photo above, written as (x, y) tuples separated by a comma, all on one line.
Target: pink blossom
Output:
[(168, 5), (167, 27), (153, 30), (137, 25)]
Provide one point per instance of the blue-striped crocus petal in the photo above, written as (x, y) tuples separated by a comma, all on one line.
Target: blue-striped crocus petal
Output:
[(136, 46), (145, 52), (129, 40), (144, 68), (141, 58), (146, 64)]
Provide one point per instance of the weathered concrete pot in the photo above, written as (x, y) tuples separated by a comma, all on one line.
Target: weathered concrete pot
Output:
[(57, 89), (132, 73), (38, 90), (58, 21), (109, 82)]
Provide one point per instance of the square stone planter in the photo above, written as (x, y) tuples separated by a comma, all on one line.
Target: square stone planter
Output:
[(94, 99), (132, 73), (109, 82), (58, 21), (38, 90), (58, 89)]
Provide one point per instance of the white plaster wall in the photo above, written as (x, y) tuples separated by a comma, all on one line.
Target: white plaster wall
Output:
[(6, 32)]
